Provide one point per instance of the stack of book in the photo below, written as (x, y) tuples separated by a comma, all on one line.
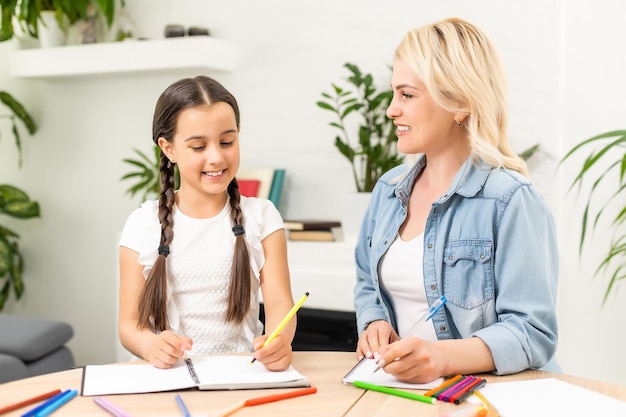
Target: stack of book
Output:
[(313, 230)]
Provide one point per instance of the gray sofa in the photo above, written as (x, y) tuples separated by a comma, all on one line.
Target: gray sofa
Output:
[(33, 346)]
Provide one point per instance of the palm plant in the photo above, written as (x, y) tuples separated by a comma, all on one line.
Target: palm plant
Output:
[(147, 174), (15, 203), (610, 158)]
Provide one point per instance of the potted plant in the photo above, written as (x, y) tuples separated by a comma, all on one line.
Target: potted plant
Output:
[(147, 174), (373, 152), (15, 203), (28, 14), (609, 157)]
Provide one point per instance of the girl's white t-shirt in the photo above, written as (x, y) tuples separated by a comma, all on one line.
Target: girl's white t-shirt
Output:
[(198, 270)]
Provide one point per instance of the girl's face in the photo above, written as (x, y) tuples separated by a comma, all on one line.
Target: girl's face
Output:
[(421, 124), (205, 148)]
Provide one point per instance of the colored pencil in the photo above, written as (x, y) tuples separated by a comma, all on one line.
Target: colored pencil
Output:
[(110, 407), (396, 392), (461, 396), (454, 388), (441, 388), (33, 411), (29, 401), (51, 408), (284, 322), (266, 399), (182, 406), (493, 412)]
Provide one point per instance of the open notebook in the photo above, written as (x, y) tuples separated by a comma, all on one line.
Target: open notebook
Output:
[(364, 371), (202, 372)]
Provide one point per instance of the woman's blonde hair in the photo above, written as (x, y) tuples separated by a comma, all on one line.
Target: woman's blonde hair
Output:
[(462, 71)]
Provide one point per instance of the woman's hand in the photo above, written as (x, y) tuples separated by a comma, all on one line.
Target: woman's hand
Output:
[(412, 360), (167, 348), (276, 356), (378, 333)]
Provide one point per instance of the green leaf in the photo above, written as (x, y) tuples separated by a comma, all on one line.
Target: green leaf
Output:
[(19, 111), (598, 164), (21, 209), (6, 256), (326, 106), (361, 105)]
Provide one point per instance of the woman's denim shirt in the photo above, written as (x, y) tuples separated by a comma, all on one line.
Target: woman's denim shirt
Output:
[(489, 247)]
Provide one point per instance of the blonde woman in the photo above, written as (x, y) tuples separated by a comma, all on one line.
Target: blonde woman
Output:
[(461, 220)]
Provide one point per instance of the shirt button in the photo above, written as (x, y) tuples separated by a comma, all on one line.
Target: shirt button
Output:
[(482, 256), (450, 257), (442, 328), (433, 287), (430, 246)]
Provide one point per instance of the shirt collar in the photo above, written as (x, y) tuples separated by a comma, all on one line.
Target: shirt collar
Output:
[(468, 181)]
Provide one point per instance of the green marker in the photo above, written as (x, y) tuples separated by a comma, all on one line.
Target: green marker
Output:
[(391, 391)]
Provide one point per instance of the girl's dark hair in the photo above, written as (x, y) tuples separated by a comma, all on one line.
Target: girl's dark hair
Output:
[(183, 94)]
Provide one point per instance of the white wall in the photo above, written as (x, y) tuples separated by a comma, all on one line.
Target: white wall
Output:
[(562, 67)]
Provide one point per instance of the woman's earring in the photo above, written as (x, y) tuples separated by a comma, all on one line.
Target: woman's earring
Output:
[(458, 122)]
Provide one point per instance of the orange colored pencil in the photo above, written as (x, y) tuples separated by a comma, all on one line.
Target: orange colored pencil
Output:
[(267, 399), (29, 401), (444, 385)]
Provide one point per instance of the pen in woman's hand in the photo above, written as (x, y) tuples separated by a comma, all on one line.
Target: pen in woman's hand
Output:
[(425, 317)]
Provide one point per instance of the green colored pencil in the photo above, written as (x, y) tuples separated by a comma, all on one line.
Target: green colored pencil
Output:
[(391, 391)]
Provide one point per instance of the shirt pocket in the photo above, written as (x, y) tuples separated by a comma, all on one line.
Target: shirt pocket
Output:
[(467, 272)]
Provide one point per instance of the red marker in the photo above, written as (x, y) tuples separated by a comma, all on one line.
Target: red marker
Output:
[(29, 401)]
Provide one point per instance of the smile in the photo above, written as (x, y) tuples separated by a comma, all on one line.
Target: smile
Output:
[(403, 128), (214, 173)]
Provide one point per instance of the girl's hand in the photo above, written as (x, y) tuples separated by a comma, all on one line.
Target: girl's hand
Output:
[(167, 348), (378, 333), (412, 360), (276, 356)]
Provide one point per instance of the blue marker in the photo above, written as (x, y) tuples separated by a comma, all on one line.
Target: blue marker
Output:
[(182, 406), (68, 395)]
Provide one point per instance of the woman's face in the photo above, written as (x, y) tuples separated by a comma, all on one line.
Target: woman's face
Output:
[(205, 148), (422, 126)]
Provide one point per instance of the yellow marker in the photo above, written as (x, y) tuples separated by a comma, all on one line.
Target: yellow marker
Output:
[(283, 323)]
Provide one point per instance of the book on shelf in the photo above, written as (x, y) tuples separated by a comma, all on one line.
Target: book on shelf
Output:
[(263, 175), (311, 224), (219, 372), (330, 235), (262, 183), (249, 188), (276, 189)]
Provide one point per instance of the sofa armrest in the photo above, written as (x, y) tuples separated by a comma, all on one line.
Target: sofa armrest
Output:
[(29, 338)]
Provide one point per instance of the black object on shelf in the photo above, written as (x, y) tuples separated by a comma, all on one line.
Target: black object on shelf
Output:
[(323, 330), (174, 31), (197, 31)]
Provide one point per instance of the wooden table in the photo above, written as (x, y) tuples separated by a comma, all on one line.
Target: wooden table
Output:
[(323, 369)]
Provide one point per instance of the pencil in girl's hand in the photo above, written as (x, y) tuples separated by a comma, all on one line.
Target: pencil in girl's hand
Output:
[(283, 323)]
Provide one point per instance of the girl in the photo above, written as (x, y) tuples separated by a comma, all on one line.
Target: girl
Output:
[(191, 263)]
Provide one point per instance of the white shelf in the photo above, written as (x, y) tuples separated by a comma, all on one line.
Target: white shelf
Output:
[(193, 52)]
